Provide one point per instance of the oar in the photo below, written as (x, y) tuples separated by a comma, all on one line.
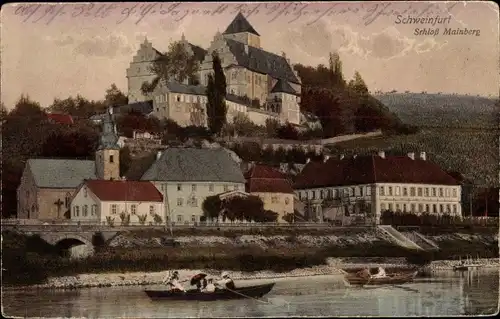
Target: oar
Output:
[(405, 288), (246, 296)]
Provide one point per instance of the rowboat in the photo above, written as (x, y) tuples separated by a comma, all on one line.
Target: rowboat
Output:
[(467, 265), (257, 291), (390, 279)]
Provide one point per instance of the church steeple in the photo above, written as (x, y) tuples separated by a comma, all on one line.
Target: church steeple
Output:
[(107, 156), (242, 31)]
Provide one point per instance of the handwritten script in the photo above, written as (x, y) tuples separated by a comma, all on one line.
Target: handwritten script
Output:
[(368, 12)]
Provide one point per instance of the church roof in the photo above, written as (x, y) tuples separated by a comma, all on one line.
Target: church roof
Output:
[(283, 87), (261, 61), (240, 24), (60, 173), (196, 165), (199, 52), (124, 191)]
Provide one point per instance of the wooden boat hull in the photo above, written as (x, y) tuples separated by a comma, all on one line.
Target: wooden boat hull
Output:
[(394, 279), (222, 294), (465, 267)]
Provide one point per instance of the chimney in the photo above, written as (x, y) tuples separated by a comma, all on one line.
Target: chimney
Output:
[(411, 155), (423, 156), (381, 154), (327, 157), (308, 160), (158, 155)]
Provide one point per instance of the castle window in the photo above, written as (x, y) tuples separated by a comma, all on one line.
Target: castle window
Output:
[(111, 159), (178, 98), (133, 209), (85, 210), (114, 208)]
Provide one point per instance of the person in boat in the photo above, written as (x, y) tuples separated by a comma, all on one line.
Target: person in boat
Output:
[(365, 273), (225, 282), (173, 281), (380, 274)]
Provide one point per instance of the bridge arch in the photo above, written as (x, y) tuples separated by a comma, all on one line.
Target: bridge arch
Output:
[(68, 240)]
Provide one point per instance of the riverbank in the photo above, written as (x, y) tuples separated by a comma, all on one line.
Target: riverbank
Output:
[(334, 267)]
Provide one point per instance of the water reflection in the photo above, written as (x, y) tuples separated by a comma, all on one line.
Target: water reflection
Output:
[(470, 293)]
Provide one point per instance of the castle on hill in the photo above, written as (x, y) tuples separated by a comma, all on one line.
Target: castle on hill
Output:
[(260, 84)]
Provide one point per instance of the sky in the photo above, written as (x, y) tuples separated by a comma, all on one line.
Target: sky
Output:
[(59, 50)]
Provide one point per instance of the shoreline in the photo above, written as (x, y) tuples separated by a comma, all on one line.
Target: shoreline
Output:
[(333, 267)]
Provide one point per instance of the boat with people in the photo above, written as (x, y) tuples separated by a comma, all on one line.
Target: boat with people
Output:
[(205, 290), (367, 277), (467, 265)]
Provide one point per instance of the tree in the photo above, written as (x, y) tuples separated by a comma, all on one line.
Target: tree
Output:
[(212, 206), (216, 95), (125, 160), (242, 124), (79, 106), (337, 77), (73, 144), (288, 132), (272, 126), (176, 64), (358, 85), (115, 97)]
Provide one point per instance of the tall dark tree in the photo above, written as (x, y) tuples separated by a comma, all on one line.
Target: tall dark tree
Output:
[(358, 85), (337, 77), (216, 96)]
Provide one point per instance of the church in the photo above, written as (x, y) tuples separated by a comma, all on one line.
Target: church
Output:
[(260, 84)]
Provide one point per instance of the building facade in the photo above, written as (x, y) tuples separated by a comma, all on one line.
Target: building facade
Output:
[(106, 202), (273, 188), (369, 185), (261, 81), (187, 176)]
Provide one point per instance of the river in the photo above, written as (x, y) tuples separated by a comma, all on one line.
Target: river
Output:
[(448, 293)]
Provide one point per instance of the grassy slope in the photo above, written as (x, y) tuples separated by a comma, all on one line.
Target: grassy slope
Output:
[(456, 133)]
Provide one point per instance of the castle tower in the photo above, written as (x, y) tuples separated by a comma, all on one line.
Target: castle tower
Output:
[(140, 71), (107, 156), (242, 31), (284, 97)]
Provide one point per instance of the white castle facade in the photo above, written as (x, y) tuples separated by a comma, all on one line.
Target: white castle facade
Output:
[(260, 84)]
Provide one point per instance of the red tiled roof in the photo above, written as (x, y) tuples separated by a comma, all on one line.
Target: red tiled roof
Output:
[(133, 191), (60, 118), (266, 179), (372, 169)]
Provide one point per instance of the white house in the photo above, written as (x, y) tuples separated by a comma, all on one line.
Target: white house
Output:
[(396, 183), (186, 176), (111, 201)]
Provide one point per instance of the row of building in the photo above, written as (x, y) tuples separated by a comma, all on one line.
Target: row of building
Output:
[(175, 185)]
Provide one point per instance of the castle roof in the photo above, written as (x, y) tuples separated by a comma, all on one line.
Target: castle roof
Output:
[(261, 61), (283, 87), (240, 24)]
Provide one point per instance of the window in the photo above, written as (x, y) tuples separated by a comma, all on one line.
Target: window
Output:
[(194, 202), (391, 207), (287, 201), (454, 192), (412, 191), (85, 210), (434, 208), (226, 188), (114, 208), (455, 208), (427, 208), (179, 201), (85, 192), (420, 208), (398, 190), (404, 207), (419, 192), (193, 218), (193, 187), (390, 190), (352, 191), (447, 192), (382, 191), (434, 192), (334, 193), (211, 188), (274, 199), (398, 207), (111, 159), (178, 98), (76, 211), (412, 208), (405, 191), (382, 206), (426, 193), (441, 208), (441, 193), (448, 208), (357, 191), (179, 218), (93, 210), (179, 187), (151, 209), (133, 209)]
